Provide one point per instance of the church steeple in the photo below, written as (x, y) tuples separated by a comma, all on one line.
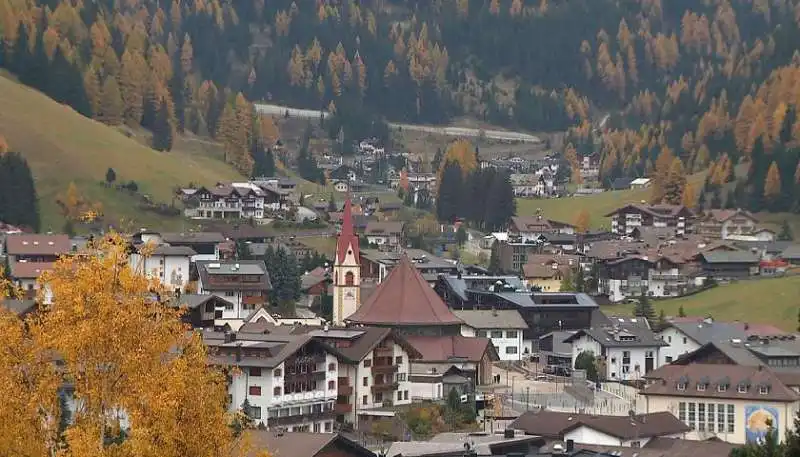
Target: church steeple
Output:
[(346, 270)]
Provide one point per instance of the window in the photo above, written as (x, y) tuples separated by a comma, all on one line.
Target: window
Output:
[(367, 363), (613, 360), (481, 333), (682, 411), (681, 386), (511, 334), (328, 427), (669, 339), (365, 381), (668, 359), (636, 444), (228, 306), (511, 349), (722, 388), (711, 416), (230, 293), (255, 371), (742, 388), (331, 367), (405, 395), (255, 390), (364, 400), (692, 414), (276, 391), (398, 360), (331, 385), (497, 333), (349, 279), (626, 369), (763, 389), (731, 418), (255, 412), (626, 357), (720, 418), (701, 416), (399, 395), (317, 427), (701, 387), (684, 340), (277, 373)]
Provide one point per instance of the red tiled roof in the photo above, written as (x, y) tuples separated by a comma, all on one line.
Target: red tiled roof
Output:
[(24, 244), (29, 270), (444, 348), (347, 238), (404, 298)]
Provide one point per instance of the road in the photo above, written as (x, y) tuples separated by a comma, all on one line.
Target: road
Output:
[(501, 135)]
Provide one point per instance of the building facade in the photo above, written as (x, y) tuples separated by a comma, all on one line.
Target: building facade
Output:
[(346, 270)]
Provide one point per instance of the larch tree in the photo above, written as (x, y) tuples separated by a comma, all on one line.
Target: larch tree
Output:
[(772, 184), (133, 81), (91, 85), (674, 183), (689, 197), (141, 381), (583, 221), (111, 107)]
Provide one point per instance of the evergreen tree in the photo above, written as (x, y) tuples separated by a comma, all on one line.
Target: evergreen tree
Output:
[(644, 309), (163, 133), (111, 176), (586, 360), (284, 274), (567, 283), (786, 232), (451, 187), (494, 259), (19, 204), (263, 162), (501, 204), (461, 236), (681, 312)]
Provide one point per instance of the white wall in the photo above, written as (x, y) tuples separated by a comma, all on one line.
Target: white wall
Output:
[(584, 343), (614, 357), (507, 340), (171, 270), (587, 435), (426, 391), (679, 344)]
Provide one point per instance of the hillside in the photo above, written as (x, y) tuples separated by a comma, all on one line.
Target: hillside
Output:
[(62, 146), (768, 301)]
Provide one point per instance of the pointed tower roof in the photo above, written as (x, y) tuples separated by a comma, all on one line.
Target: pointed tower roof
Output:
[(404, 298), (347, 237)]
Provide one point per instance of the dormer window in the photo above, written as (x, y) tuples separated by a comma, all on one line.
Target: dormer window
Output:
[(722, 388), (681, 386), (742, 388), (763, 389), (701, 387)]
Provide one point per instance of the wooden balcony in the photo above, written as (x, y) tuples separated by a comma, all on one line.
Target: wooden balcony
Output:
[(384, 387), (343, 387), (382, 351), (385, 369), (343, 408)]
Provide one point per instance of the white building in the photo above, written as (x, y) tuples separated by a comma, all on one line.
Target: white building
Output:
[(291, 384), (243, 283), (168, 264), (627, 352), (204, 244), (685, 337), (504, 328)]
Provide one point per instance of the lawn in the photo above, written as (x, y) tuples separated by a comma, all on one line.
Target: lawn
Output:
[(62, 146), (567, 209), (773, 301)]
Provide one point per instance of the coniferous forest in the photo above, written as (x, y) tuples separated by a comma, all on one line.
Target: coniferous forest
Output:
[(687, 85)]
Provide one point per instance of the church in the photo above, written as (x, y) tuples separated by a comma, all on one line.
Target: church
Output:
[(403, 301)]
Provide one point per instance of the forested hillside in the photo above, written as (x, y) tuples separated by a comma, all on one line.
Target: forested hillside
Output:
[(708, 82)]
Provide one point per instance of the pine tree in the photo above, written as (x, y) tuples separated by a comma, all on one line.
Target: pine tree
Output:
[(449, 200), (163, 131), (111, 176), (500, 204), (111, 108), (645, 309)]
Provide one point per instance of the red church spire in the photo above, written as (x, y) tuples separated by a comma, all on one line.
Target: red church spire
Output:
[(347, 238)]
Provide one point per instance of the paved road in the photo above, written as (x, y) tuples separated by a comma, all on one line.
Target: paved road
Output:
[(501, 135)]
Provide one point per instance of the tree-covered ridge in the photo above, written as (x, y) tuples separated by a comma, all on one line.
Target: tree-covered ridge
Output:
[(701, 80)]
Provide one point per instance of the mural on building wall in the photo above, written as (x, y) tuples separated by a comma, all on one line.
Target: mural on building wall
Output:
[(757, 419)]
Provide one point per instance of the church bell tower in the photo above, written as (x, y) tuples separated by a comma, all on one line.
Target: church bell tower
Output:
[(346, 270)]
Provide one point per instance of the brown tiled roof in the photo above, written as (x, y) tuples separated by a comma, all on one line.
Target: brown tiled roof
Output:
[(667, 379), (661, 210), (29, 270), (297, 444), (445, 348), (722, 215), (404, 298), (33, 244), (526, 223), (552, 424), (384, 228)]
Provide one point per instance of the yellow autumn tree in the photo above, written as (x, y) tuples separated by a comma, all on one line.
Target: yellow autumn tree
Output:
[(772, 184), (674, 183), (583, 221), (689, 197), (138, 373), (461, 152)]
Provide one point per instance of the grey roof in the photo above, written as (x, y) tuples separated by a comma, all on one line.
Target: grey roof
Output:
[(195, 300), (549, 299), (559, 346), (492, 319), (612, 336), (453, 444), (729, 257), (420, 259), (165, 249), (707, 332), (770, 247), (192, 237), (791, 252), (246, 267), (459, 286)]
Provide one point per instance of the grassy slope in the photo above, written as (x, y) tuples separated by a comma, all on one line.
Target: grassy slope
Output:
[(770, 301), (63, 146)]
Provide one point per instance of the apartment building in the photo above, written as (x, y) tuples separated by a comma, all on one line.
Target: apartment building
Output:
[(244, 284), (627, 352), (724, 223), (290, 383), (625, 219), (504, 329), (238, 200), (168, 264), (30, 255)]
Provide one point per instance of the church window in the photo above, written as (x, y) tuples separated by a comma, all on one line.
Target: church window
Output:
[(349, 278)]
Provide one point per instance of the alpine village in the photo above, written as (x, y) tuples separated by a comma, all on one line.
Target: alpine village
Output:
[(400, 228)]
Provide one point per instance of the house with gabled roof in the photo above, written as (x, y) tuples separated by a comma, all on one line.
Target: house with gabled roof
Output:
[(630, 216)]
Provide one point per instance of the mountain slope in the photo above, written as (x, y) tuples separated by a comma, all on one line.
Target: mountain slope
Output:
[(62, 146)]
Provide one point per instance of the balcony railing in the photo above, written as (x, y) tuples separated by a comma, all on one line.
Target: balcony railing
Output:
[(343, 408), (343, 387), (382, 351), (384, 387), (668, 277), (384, 369), (288, 420)]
